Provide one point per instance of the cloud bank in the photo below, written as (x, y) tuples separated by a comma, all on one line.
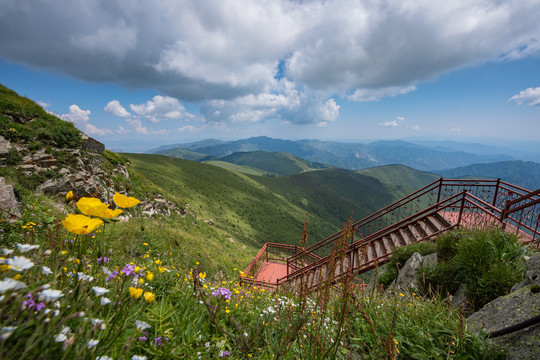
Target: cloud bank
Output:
[(250, 60), (530, 96)]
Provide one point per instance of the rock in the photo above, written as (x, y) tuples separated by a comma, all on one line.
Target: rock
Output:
[(231, 240), (92, 145), (408, 275), (521, 304), (209, 222), (9, 202), (5, 150), (532, 273), (459, 300)]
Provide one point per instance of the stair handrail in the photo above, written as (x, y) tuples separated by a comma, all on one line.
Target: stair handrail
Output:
[(529, 220), (436, 185), (463, 197)]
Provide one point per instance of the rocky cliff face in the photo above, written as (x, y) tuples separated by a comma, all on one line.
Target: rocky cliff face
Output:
[(59, 170)]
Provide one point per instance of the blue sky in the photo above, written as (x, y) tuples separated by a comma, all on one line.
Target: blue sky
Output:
[(136, 75)]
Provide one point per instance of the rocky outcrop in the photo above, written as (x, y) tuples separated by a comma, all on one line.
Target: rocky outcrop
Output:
[(10, 208), (408, 275), (5, 150), (521, 304)]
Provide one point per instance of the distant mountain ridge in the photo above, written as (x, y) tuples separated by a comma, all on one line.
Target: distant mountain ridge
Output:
[(352, 156)]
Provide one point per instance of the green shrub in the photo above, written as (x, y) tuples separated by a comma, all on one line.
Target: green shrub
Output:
[(487, 262)]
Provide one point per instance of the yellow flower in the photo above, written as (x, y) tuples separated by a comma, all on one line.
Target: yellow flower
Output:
[(69, 196), (80, 224), (227, 311), (94, 207), (17, 277), (135, 293), (145, 244), (5, 267), (162, 269), (140, 281), (124, 201), (400, 294), (202, 275), (149, 297), (137, 269), (149, 276), (158, 261)]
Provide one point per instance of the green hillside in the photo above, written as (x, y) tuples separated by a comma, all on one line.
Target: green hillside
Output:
[(275, 162), (239, 168), (236, 202), (183, 154), (404, 178), (260, 209)]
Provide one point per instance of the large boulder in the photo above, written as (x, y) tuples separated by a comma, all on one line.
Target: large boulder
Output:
[(523, 303), (408, 275), (9, 204)]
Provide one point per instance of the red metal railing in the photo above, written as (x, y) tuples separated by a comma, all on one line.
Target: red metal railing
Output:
[(473, 202), (472, 212), (495, 192)]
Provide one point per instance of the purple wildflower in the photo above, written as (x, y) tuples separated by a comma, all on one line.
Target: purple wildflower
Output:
[(30, 303), (129, 270), (224, 353), (40, 306), (111, 276), (158, 341), (143, 338), (103, 260), (226, 293)]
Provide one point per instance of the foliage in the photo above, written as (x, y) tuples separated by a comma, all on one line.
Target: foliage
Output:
[(127, 291), (487, 262), (23, 120)]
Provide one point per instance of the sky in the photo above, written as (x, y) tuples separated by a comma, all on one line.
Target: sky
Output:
[(140, 74)]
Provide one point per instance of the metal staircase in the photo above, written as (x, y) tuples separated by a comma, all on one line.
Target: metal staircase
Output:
[(421, 216)]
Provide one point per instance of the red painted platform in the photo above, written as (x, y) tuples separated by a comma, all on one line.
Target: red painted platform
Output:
[(271, 271)]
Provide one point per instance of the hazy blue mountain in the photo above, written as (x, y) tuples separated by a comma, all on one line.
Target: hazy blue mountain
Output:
[(348, 155), (521, 173)]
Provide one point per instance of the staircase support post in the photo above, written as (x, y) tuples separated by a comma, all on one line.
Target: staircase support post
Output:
[(462, 207)]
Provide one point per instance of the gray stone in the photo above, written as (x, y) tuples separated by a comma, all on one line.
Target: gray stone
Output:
[(532, 273), (519, 305), (92, 145), (408, 275), (11, 208), (5, 149)]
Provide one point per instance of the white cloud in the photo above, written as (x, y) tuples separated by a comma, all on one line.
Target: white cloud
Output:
[(161, 108), (363, 95), (115, 108), (188, 128), (81, 119), (399, 120), (530, 96), (233, 50)]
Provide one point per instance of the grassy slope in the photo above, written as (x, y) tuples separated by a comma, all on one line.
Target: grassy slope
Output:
[(276, 162), (235, 202), (239, 168), (404, 179), (183, 154), (260, 209)]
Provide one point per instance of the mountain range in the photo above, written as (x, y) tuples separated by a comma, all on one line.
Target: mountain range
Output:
[(352, 156)]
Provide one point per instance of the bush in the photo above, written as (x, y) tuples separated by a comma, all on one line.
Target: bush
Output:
[(487, 262)]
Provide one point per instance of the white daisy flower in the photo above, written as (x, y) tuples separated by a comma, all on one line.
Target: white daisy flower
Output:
[(6, 331), (99, 290), (84, 277), (91, 343), (20, 263), (138, 357), (141, 325), (7, 251), (11, 284), (100, 324), (50, 295), (104, 301), (46, 270), (26, 247)]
